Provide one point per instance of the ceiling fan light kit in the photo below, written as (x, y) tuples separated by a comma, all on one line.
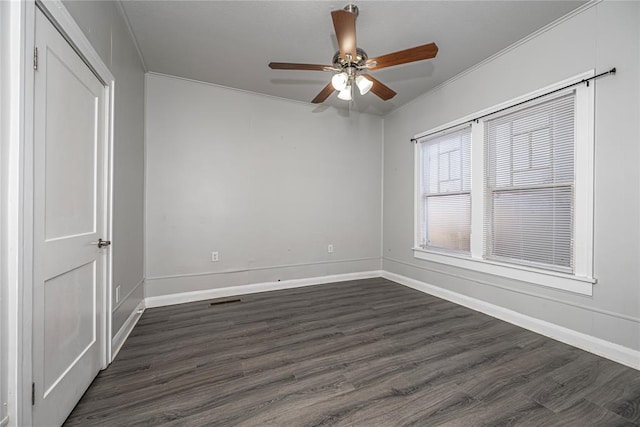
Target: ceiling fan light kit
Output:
[(352, 65), (364, 84), (339, 81), (345, 94)]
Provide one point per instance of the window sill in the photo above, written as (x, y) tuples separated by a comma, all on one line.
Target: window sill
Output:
[(551, 279)]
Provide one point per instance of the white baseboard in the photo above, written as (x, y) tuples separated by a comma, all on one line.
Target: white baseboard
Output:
[(164, 300), (600, 347), (125, 297), (125, 330), (609, 350)]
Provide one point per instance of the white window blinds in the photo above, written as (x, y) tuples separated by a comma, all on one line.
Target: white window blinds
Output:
[(529, 184), (446, 191)]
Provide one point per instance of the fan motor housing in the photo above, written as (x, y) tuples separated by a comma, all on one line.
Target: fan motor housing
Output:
[(361, 58)]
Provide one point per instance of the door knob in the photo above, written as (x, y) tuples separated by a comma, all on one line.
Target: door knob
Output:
[(102, 243)]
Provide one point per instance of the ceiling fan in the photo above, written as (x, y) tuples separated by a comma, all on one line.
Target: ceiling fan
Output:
[(351, 64)]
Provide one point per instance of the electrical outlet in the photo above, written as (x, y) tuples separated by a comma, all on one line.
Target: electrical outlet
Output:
[(117, 294), (330, 249), (215, 257)]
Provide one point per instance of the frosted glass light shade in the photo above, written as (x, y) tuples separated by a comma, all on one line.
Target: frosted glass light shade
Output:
[(339, 81), (364, 84), (345, 94)]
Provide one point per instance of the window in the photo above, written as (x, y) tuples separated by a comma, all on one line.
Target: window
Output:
[(529, 185), (511, 193), (446, 191)]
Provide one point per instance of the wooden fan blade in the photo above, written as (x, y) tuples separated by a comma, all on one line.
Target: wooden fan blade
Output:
[(379, 88), (324, 94), (292, 66), (413, 54), (344, 22)]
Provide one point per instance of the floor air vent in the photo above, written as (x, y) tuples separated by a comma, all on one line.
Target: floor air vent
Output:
[(221, 302)]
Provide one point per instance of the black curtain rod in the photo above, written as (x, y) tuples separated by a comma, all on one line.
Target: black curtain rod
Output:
[(585, 81)]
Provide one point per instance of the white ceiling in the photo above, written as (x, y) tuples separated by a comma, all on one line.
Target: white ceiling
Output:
[(230, 43)]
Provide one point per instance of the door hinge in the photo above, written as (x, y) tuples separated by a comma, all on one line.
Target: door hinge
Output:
[(33, 393), (35, 58)]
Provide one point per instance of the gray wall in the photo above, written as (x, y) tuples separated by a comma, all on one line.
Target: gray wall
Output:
[(105, 28), (601, 37), (268, 183)]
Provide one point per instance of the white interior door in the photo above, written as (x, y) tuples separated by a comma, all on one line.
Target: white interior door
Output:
[(69, 216)]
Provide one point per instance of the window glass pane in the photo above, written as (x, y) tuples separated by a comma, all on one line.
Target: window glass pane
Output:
[(534, 225), (532, 146), (446, 163), (448, 220)]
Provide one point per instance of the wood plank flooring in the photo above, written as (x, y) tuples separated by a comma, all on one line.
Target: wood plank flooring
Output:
[(360, 353)]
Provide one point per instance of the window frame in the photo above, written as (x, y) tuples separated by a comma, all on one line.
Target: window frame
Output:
[(581, 280)]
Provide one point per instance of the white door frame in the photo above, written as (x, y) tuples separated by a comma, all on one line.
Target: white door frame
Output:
[(22, 192)]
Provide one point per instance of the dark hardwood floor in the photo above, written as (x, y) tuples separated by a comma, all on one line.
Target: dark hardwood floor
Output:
[(361, 353)]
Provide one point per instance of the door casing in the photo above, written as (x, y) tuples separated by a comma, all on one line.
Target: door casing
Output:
[(20, 321)]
